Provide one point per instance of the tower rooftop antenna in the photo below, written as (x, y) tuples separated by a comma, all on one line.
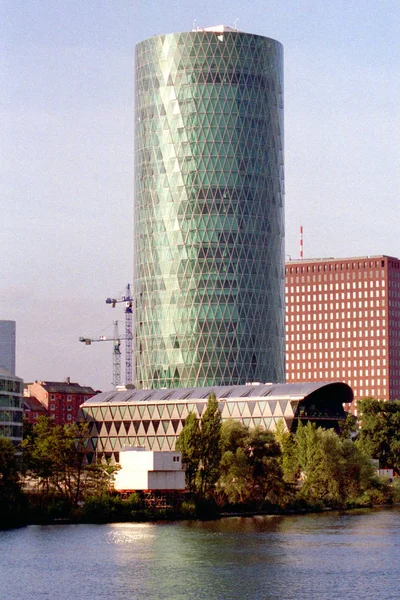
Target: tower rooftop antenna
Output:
[(301, 242)]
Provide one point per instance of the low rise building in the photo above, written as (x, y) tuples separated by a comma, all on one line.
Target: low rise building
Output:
[(33, 409), (155, 418), (143, 470), (61, 399)]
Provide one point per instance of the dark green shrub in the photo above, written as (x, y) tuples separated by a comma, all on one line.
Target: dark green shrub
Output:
[(188, 510), (206, 509), (98, 509)]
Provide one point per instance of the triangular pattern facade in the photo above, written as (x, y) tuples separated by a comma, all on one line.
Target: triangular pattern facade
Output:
[(209, 214), (154, 433)]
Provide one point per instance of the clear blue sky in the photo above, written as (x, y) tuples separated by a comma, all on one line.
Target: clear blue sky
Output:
[(66, 143)]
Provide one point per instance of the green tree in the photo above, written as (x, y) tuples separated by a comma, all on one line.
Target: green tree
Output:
[(234, 435), (11, 497), (200, 444), (38, 460), (55, 458), (234, 480), (234, 483), (380, 431), (348, 429), (288, 459), (249, 470), (358, 477), (334, 471), (210, 446), (308, 449), (320, 463), (189, 444), (263, 453)]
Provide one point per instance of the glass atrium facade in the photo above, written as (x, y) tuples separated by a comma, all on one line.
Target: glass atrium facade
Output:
[(209, 210)]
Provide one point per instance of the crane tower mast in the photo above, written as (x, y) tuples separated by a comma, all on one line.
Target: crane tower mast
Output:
[(116, 339), (128, 300)]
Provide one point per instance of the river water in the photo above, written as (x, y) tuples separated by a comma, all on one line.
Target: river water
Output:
[(327, 556)]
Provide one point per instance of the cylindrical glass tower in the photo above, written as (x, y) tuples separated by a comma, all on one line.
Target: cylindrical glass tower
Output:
[(209, 210)]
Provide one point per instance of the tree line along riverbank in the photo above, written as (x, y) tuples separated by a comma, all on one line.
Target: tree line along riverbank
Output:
[(229, 469)]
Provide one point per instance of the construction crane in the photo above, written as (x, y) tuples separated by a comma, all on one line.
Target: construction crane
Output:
[(128, 300), (116, 339)]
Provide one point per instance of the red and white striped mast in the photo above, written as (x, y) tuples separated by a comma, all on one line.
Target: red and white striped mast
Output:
[(301, 242)]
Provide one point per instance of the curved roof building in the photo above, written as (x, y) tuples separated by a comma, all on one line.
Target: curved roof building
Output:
[(209, 210), (154, 418)]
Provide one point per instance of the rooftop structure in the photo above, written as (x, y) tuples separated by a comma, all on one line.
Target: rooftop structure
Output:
[(209, 210), (216, 29)]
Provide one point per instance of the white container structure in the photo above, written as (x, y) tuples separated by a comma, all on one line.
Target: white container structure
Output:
[(143, 469)]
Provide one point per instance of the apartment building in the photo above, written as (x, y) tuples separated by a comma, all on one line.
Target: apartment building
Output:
[(61, 399)]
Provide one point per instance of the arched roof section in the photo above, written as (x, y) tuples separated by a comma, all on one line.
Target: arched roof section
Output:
[(334, 391)]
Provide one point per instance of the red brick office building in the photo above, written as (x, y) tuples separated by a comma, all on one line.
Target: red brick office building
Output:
[(343, 323)]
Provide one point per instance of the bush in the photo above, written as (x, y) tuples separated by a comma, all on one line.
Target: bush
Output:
[(108, 508), (98, 509), (396, 489), (381, 492), (45, 509), (206, 509), (13, 510), (135, 501), (188, 510)]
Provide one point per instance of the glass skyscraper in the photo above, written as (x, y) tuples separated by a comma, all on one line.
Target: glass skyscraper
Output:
[(209, 210)]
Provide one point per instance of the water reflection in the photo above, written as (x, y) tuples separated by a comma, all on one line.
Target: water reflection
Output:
[(328, 556), (131, 533)]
